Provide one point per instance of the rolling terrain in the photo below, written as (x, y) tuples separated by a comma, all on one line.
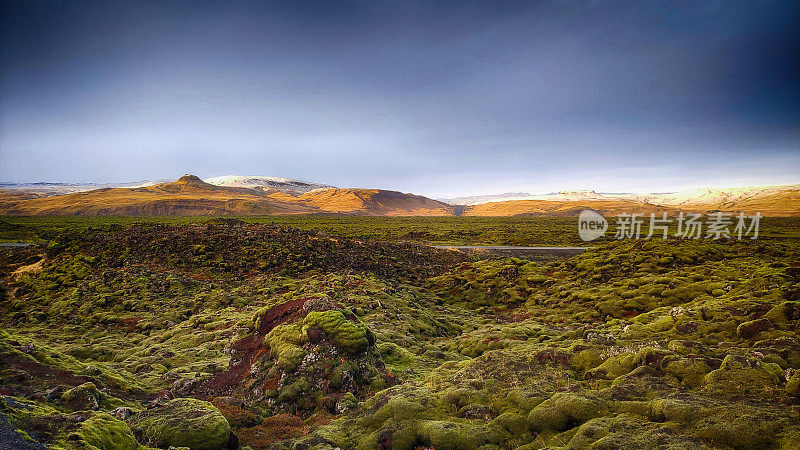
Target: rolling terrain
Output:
[(226, 334), (240, 195), (278, 184), (190, 195), (777, 201)]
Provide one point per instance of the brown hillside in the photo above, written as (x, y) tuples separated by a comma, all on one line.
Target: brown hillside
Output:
[(189, 195), (141, 202), (559, 208), (785, 203), (781, 204), (374, 202)]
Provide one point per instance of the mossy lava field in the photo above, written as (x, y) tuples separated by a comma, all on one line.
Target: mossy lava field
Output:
[(226, 334)]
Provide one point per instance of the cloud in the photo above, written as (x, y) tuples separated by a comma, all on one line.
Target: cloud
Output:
[(414, 97)]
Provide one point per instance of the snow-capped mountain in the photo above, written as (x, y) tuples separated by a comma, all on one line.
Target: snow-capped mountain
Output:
[(511, 196), (719, 196), (48, 189), (276, 183), (705, 196), (478, 199)]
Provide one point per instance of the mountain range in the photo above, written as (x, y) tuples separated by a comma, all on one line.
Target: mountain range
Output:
[(256, 195)]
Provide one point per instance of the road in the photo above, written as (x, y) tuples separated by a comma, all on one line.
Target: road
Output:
[(507, 247), (540, 254), (15, 244)]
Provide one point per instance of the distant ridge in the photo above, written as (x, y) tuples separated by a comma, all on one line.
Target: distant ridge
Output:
[(478, 199), (190, 195), (44, 188), (256, 195), (274, 183), (778, 200)]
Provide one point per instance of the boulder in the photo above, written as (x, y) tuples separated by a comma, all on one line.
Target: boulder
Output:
[(184, 422)]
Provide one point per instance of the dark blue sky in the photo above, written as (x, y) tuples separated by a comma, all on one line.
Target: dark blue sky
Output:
[(435, 98)]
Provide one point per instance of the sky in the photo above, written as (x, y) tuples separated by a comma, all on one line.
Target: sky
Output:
[(436, 98)]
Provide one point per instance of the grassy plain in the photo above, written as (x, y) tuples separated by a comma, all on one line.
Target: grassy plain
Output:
[(522, 231), (330, 331)]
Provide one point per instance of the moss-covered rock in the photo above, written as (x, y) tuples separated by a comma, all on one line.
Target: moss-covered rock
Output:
[(83, 397), (793, 384), (748, 330), (740, 428), (346, 403), (615, 366), (448, 434), (513, 423), (785, 314), (563, 411), (586, 360), (676, 410), (184, 422), (349, 335), (284, 342), (102, 431), (626, 431), (739, 376), (634, 344), (393, 410), (688, 371)]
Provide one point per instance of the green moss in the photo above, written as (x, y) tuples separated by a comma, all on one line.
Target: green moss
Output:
[(739, 428), (349, 335), (101, 431), (563, 411), (616, 366), (284, 343), (447, 434), (751, 329), (626, 431), (32, 352), (688, 371), (521, 400), (783, 313), (346, 403), (739, 376), (475, 350), (682, 347), (292, 392), (513, 423), (586, 360), (675, 410), (396, 357), (83, 397), (184, 422), (395, 410), (660, 324), (636, 407), (793, 384), (790, 438)]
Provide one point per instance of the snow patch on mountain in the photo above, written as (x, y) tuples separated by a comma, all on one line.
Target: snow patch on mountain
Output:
[(719, 196), (553, 196), (274, 183), (50, 189), (704, 196)]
